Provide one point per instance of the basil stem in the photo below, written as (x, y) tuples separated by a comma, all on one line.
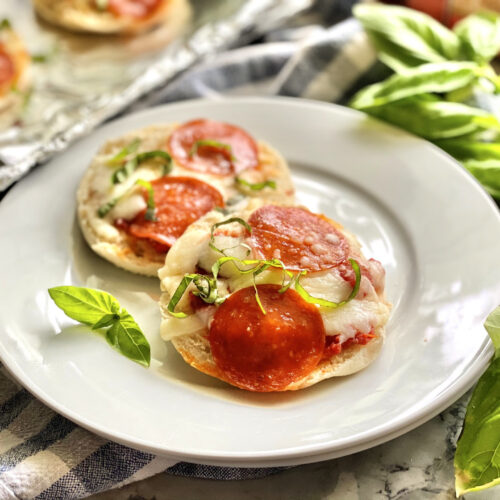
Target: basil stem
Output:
[(258, 186)]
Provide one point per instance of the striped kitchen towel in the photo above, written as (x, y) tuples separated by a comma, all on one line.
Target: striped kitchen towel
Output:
[(45, 456)]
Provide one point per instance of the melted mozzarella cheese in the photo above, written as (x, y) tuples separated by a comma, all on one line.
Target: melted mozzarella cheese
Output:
[(175, 327), (361, 315), (129, 207)]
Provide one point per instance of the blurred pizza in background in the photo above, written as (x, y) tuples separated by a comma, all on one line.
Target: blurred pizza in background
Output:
[(450, 11)]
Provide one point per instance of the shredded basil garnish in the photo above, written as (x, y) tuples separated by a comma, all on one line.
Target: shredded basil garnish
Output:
[(327, 303), (253, 267), (257, 186), (102, 4), (206, 289), (40, 58), (223, 223), (103, 210), (213, 144), (131, 165), (150, 215), (151, 210), (5, 24), (130, 148)]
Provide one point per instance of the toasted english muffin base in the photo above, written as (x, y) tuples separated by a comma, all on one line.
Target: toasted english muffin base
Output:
[(195, 350), (113, 244), (82, 16)]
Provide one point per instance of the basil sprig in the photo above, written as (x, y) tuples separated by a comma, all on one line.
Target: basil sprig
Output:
[(206, 286), (132, 164), (99, 310), (442, 80), (426, 79), (477, 458), (256, 186), (406, 38)]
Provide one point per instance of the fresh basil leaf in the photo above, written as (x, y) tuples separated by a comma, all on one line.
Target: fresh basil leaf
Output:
[(492, 325), (101, 310), (464, 150), (435, 119), (477, 457), (84, 305), (406, 38), (106, 320), (487, 172), (127, 338), (257, 186), (121, 156), (480, 36), (428, 78)]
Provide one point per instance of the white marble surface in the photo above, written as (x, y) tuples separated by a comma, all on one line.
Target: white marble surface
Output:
[(416, 466)]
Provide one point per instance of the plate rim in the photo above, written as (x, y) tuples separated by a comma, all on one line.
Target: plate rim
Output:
[(304, 453)]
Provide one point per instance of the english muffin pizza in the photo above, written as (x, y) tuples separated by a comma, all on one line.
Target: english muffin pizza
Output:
[(14, 82), (143, 190), (105, 16), (272, 297)]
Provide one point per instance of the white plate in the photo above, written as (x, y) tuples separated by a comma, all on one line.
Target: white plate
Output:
[(414, 209)]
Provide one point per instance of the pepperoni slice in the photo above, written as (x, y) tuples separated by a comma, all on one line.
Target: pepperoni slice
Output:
[(7, 68), (210, 158), (301, 239), (138, 9), (179, 202), (265, 353)]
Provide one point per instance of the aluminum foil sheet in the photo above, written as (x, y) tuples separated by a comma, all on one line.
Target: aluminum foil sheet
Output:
[(81, 80)]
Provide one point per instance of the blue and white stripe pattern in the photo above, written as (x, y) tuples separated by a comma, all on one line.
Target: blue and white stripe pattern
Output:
[(45, 456)]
